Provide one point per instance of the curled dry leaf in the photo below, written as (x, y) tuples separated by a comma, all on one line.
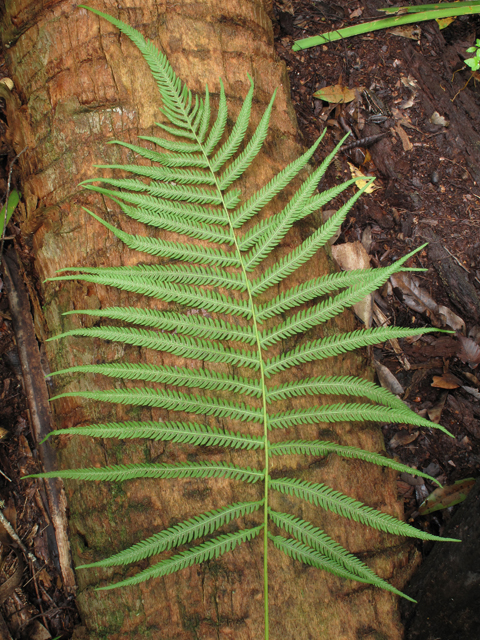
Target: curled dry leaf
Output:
[(435, 413), (468, 351), (387, 379), (401, 438), (447, 496), (337, 94), (351, 256), (447, 381)]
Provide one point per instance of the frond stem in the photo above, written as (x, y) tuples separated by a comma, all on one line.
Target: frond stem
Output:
[(263, 388)]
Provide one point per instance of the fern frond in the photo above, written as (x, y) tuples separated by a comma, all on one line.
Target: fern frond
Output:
[(336, 385), (324, 448), (196, 555), (193, 212), (335, 345), (192, 529), (218, 128), (166, 174), (339, 503), (306, 250), (353, 412), (183, 346), (172, 401), (237, 135), (241, 163), (184, 432), (167, 159), (191, 325), (150, 279), (310, 556), (169, 222), (181, 294), (328, 309), (173, 250), (259, 199), (277, 226), (316, 539), (119, 473), (178, 376), (312, 289), (195, 195), (173, 145), (175, 94)]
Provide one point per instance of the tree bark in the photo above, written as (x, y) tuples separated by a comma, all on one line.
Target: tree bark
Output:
[(81, 84)]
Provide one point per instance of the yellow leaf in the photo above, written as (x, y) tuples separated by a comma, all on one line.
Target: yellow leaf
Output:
[(337, 93), (362, 179), (444, 22)]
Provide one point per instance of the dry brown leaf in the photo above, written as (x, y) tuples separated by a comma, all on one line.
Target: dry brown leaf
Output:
[(469, 351), (447, 496), (411, 31), (401, 438), (407, 145), (447, 381), (336, 93), (435, 413)]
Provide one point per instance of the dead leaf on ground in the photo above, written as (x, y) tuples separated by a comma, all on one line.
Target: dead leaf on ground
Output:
[(407, 145), (401, 438), (387, 379), (350, 256), (336, 93), (447, 496), (450, 318), (469, 351), (363, 179), (473, 392), (447, 381), (435, 413), (436, 118), (411, 31)]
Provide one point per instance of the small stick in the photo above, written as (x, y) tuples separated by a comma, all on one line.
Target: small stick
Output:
[(13, 534), (6, 199)]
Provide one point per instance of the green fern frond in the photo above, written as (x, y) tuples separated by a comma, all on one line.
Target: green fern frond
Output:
[(178, 376), (119, 473), (316, 539), (342, 505), (237, 135), (336, 385), (173, 250), (172, 401), (189, 190), (185, 347), (324, 448), (196, 555), (170, 321), (169, 222), (208, 215), (353, 412), (166, 159), (306, 250), (184, 432), (335, 345), (182, 273), (192, 529), (166, 174), (307, 555)]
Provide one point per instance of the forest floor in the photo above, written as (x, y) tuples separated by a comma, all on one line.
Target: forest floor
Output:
[(427, 170)]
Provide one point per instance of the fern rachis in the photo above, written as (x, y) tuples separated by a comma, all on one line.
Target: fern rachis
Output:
[(188, 190)]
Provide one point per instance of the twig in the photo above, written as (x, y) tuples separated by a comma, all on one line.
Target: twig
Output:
[(13, 534), (6, 199)]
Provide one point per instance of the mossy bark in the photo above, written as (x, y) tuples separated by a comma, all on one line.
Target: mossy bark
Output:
[(82, 84)]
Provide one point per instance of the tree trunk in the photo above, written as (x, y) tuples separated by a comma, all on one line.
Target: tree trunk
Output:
[(80, 84)]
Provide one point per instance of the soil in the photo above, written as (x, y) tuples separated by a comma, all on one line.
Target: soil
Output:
[(427, 172)]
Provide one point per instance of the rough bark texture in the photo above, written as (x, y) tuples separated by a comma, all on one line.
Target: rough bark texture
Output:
[(80, 84)]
